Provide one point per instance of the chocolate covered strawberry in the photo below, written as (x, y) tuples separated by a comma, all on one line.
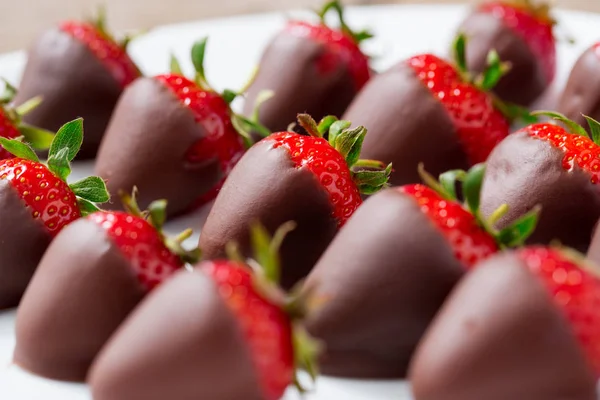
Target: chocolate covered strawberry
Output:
[(315, 179), (555, 167), (417, 242), (37, 203), (521, 31), (79, 70), (199, 137), (435, 112), (581, 95), (91, 277), (225, 331), (312, 68), (501, 336), (12, 125)]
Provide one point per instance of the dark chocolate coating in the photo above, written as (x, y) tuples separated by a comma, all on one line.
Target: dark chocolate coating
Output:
[(265, 186), (582, 93), (526, 80), (289, 68), (146, 144), (409, 127), (499, 337), (523, 172), (23, 241), (181, 343), (381, 281), (594, 249), (73, 83), (82, 291)]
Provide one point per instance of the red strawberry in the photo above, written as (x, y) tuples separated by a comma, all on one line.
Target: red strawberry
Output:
[(315, 180), (311, 67), (428, 94), (522, 33), (545, 164), (37, 202), (210, 140), (79, 70), (12, 126), (575, 288), (96, 271), (240, 308)]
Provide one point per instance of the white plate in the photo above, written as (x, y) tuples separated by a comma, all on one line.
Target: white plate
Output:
[(234, 48)]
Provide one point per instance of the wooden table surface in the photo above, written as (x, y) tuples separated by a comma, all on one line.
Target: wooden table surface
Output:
[(20, 20)]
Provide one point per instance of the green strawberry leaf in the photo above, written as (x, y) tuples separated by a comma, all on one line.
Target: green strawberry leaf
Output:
[(594, 129), (338, 8), (460, 52), (91, 188), (69, 136), (59, 163), (572, 126), (39, 139), (229, 95), (349, 144), (157, 210), (494, 71), (174, 65), (364, 163), (517, 233), (448, 181), (370, 182), (19, 149), (326, 123), (198, 52), (9, 92), (86, 207), (433, 183), (334, 131), (309, 125), (28, 106), (472, 187), (245, 126), (514, 112), (261, 244)]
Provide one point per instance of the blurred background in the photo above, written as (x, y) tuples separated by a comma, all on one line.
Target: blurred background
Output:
[(21, 20)]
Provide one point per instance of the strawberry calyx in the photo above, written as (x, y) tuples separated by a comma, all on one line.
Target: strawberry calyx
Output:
[(496, 69), (243, 125), (470, 182), (370, 176), (573, 127), (156, 215), (65, 145), (99, 23), (337, 7), (539, 10), (266, 267), (38, 138)]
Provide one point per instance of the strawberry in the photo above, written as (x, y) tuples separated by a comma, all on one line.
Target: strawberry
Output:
[(79, 70), (522, 33), (210, 141), (106, 263), (38, 203), (548, 165), (428, 94), (315, 180), (12, 126), (575, 288), (235, 309), (322, 70), (580, 96)]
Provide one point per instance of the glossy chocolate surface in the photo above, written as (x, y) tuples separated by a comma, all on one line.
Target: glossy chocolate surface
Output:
[(381, 282), (523, 172), (265, 186), (403, 128), (498, 337), (73, 83), (146, 145), (526, 80), (82, 291), (181, 343), (23, 241), (582, 93), (289, 68)]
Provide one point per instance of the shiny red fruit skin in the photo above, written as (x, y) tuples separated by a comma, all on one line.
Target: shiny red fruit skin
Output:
[(328, 166), (265, 326), (111, 55), (471, 244), (536, 32), (342, 49), (480, 127), (578, 150), (575, 290), (47, 196), (141, 245), (7, 130), (214, 115)]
